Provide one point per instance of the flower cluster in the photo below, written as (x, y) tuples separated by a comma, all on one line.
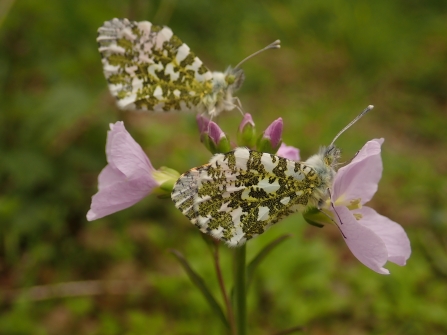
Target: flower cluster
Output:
[(372, 238)]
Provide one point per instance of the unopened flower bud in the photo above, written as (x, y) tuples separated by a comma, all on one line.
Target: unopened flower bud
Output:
[(246, 135), (215, 139), (270, 141), (202, 123)]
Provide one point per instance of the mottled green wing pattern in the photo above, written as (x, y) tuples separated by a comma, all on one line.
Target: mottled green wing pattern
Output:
[(240, 194), (148, 68)]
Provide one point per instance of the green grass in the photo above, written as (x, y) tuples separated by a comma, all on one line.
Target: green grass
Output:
[(336, 58)]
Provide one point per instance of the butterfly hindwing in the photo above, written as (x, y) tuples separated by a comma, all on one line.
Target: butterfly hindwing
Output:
[(240, 194)]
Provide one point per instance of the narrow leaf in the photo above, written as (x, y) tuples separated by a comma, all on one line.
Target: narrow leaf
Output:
[(251, 268), (200, 284)]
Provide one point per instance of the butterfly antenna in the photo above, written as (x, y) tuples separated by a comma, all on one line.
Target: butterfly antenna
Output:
[(366, 110), (274, 45)]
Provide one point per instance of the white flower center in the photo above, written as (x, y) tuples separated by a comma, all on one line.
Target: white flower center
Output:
[(351, 204)]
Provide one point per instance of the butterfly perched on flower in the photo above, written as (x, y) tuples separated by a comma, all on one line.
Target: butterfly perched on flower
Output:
[(148, 68), (239, 194)]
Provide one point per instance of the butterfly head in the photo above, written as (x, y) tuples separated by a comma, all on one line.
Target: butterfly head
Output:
[(234, 78), (221, 96), (324, 164), (330, 155)]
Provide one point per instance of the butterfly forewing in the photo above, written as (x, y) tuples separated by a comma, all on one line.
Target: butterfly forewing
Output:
[(240, 194), (149, 68), (185, 191)]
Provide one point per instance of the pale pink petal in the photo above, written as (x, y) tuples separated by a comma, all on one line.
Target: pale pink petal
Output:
[(359, 179), (119, 193), (126, 179), (124, 154), (109, 176), (364, 243), (391, 233), (289, 152), (370, 148)]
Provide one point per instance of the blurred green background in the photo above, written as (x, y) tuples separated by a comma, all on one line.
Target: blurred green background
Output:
[(60, 274)]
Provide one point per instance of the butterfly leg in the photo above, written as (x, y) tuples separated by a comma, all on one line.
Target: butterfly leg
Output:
[(237, 103)]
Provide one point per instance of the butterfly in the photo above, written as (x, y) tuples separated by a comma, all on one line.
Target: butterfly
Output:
[(148, 68), (240, 194)]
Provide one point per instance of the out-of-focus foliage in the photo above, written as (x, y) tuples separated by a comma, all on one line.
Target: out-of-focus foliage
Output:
[(336, 58)]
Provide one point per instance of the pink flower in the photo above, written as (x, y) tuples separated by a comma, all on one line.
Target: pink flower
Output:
[(127, 178), (372, 238), (288, 152)]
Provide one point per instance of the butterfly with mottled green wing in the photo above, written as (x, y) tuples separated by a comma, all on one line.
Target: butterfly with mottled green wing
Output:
[(240, 194), (148, 68)]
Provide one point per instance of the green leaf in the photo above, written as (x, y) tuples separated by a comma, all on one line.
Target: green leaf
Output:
[(200, 283), (251, 268)]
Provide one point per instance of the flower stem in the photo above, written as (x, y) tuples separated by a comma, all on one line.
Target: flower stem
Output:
[(240, 304), (230, 315)]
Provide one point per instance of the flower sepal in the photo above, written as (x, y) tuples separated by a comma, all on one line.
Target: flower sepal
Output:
[(316, 217), (265, 145), (166, 178), (222, 146)]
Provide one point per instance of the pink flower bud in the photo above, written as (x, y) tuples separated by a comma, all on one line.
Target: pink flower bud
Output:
[(246, 135), (274, 132), (246, 121), (270, 140)]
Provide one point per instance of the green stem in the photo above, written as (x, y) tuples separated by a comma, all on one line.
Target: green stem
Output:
[(230, 314), (240, 303)]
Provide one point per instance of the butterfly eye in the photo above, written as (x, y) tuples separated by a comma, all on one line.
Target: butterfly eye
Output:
[(230, 79)]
